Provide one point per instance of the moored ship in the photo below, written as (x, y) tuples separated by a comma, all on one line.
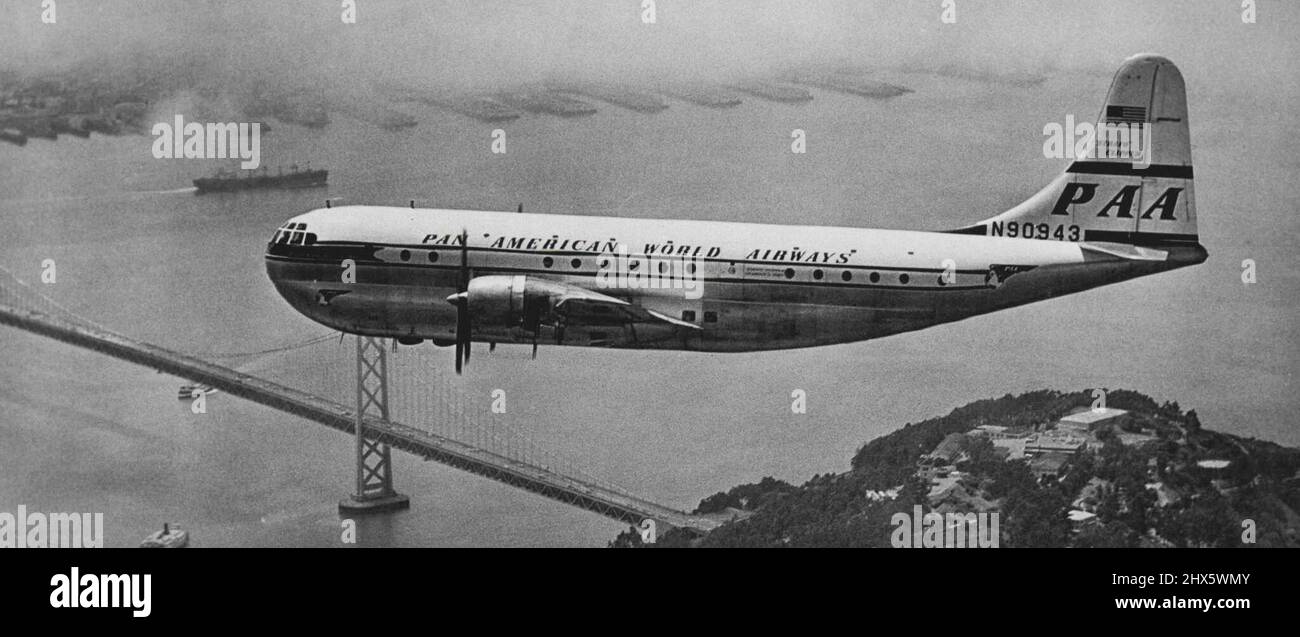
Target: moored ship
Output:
[(541, 101), (846, 83), (701, 94), (628, 98), (774, 92), (480, 108)]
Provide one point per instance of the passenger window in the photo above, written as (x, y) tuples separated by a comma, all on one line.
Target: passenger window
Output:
[(710, 317), (688, 315)]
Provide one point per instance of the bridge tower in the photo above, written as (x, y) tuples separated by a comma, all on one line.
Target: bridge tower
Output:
[(375, 492)]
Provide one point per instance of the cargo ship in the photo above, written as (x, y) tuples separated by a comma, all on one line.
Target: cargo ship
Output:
[(475, 106), (845, 83), (548, 102), (391, 120), (617, 95), (295, 108), (774, 92), (229, 181), (702, 95), (302, 114), (1018, 79), (480, 108)]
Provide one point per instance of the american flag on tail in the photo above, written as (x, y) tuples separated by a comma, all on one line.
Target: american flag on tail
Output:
[(1125, 114)]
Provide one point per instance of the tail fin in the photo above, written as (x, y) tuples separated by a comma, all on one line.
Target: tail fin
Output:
[(1131, 190)]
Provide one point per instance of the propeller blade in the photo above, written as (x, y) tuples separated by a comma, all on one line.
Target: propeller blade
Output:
[(458, 355), (464, 260), (463, 325), (462, 335)]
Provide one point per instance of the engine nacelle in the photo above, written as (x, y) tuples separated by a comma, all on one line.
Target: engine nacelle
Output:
[(512, 301)]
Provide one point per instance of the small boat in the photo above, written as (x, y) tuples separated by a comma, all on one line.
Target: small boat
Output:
[(167, 538)]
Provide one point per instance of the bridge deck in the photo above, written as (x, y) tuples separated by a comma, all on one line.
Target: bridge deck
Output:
[(541, 480)]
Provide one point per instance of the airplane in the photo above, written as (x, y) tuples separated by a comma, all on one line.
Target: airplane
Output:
[(455, 277)]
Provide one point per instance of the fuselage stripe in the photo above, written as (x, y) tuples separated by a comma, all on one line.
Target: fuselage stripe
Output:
[(580, 273), (370, 247)]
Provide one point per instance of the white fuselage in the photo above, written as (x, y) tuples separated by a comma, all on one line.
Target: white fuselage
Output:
[(385, 271)]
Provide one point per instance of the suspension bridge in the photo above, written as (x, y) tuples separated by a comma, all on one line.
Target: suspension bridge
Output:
[(429, 420)]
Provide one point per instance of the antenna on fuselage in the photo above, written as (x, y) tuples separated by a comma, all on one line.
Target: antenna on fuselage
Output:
[(521, 208), (412, 203)]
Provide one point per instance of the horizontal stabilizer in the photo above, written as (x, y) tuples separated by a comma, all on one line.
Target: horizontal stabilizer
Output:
[(1125, 251)]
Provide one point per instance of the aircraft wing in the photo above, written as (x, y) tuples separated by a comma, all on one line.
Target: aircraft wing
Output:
[(590, 307)]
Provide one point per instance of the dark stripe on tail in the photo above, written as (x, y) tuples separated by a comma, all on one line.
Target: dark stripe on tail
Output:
[(1128, 169), (1151, 239)]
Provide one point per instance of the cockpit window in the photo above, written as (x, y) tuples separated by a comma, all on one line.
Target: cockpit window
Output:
[(293, 234)]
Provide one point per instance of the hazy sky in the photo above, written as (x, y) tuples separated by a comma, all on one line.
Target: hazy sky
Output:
[(489, 42)]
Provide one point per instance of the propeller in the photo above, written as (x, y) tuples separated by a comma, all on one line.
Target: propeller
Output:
[(461, 300)]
